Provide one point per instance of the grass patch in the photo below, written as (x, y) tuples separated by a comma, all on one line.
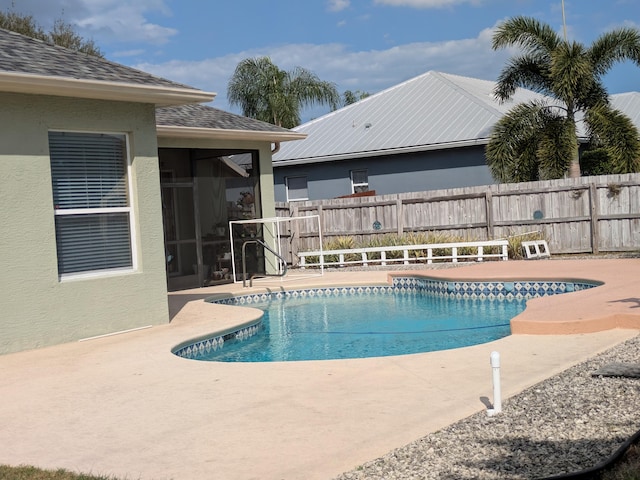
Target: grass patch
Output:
[(628, 468), (33, 473)]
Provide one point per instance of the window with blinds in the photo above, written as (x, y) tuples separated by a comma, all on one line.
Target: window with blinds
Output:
[(359, 181), (89, 174)]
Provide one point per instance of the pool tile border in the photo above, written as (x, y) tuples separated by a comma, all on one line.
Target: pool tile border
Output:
[(481, 290)]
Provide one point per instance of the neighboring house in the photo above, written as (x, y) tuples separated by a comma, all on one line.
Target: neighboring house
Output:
[(87, 180), (427, 133)]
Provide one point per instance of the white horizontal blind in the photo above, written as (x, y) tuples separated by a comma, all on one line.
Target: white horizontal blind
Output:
[(90, 194)]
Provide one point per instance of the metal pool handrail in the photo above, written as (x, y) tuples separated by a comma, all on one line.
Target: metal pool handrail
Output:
[(244, 263)]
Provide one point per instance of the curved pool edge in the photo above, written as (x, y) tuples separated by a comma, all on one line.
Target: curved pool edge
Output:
[(614, 304), (510, 288)]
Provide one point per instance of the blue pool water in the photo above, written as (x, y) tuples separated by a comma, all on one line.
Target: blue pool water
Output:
[(369, 325)]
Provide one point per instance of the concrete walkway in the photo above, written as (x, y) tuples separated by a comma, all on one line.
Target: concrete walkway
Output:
[(124, 405)]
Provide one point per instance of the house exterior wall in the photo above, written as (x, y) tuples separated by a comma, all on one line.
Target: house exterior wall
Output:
[(38, 308), (389, 174)]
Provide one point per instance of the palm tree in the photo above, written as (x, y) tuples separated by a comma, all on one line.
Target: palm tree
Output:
[(267, 93), (538, 140)]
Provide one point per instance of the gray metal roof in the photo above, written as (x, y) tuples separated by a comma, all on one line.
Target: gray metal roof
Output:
[(203, 116), (629, 104), (25, 55), (432, 111)]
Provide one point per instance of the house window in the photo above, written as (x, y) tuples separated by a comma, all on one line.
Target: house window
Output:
[(359, 181), (92, 208), (297, 188)]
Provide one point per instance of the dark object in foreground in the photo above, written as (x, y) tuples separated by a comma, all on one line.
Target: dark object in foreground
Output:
[(630, 370)]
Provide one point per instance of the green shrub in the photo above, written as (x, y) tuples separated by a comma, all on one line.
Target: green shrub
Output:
[(515, 243), (342, 242)]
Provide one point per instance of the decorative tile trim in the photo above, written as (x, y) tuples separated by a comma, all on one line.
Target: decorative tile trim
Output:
[(211, 344), (519, 289), (248, 300)]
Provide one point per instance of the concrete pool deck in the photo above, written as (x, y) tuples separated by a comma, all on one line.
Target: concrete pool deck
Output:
[(124, 405)]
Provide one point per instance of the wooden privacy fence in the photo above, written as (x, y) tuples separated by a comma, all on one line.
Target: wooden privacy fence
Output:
[(583, 215)]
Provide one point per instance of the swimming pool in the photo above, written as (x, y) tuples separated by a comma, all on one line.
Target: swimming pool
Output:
[(410, 316)]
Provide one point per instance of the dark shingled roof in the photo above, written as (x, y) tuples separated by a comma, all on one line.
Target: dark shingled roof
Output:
[(202, 116), (21, 54)]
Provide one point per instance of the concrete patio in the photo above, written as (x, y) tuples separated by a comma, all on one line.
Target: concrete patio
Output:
[(124, 405)]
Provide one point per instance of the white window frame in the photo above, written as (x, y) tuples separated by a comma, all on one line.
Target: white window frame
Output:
[(354, 185), (306, 179), (129, 209)]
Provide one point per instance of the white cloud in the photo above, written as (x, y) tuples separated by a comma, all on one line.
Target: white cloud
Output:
[(106, 21), (126, 21), (338, 5), (128, 53), (369, 71), (426, 3)]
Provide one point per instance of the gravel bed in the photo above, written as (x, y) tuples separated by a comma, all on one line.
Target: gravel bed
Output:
[(570, 422)]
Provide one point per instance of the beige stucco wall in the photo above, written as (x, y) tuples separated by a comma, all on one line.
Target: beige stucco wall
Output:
[(37, 308)]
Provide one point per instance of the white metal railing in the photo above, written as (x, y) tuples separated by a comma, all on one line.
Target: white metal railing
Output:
[(444, 251)]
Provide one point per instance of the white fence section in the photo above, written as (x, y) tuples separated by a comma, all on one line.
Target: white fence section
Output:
[(410, 253)]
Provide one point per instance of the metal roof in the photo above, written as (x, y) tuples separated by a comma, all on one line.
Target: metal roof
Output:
[(432, 111), (629, 104)]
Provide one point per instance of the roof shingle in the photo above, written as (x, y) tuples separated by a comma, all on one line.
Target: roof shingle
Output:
[(25, 55), (203, 116)]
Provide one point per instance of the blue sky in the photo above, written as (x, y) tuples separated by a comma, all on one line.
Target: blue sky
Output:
[(365, 45)]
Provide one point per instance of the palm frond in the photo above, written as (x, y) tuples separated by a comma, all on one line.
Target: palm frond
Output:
[(571, 72), (617, 134), (512, 149), (529, 34), (556, 147), (615, 46), (525, 71)]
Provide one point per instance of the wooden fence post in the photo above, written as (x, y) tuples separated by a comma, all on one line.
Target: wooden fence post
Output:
[(400, 216), (593, 213), (488, 201), (321, 222)]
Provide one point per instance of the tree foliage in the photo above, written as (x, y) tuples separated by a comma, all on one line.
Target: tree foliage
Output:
[(265, 92), (349, 97), (539, 140), (62, 33)]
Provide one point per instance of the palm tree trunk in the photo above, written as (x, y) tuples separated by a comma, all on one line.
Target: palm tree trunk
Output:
[(574, 166)]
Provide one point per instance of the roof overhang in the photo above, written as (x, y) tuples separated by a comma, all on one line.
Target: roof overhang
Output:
[(389, 151), (101, 90), (167, 131), (383, 152)]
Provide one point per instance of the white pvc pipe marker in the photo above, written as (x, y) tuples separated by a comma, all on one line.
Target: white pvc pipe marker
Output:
[(497, 396)]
